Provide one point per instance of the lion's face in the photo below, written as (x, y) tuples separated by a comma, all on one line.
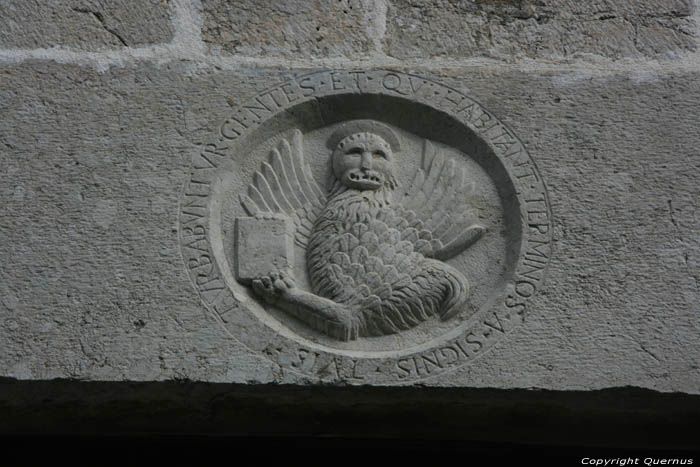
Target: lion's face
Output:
[(363, 161)]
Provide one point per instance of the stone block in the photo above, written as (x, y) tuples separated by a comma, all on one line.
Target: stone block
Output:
[(513, 29), (84, 24), (288, 28), (94, 226)]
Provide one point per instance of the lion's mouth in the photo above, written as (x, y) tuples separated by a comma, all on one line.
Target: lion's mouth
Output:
[(366, 180)]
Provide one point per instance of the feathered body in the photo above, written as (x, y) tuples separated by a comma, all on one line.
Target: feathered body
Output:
[(376, 267), (368, 254)]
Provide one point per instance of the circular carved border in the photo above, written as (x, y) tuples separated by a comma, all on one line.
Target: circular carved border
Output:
[(455, 348)]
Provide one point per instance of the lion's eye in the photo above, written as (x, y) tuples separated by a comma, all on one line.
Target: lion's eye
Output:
[(378, 155), (355, 151)]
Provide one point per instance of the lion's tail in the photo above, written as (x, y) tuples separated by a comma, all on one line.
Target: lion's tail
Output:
[(456, 291)]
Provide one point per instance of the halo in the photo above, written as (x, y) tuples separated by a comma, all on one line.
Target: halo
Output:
[(352, 127)]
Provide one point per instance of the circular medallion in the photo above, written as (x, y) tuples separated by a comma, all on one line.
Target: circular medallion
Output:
[(365, 226)]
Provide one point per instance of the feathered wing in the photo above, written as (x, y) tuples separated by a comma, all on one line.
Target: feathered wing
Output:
[(284, 185), (434, 207)]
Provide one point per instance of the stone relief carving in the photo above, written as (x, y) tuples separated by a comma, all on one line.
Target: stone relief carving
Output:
[(374, 254), (368, 226)]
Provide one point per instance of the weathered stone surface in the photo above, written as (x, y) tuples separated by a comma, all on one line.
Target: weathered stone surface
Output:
[(98, 168), (94, 287), (84, 24), (289, 28), (510, 29)]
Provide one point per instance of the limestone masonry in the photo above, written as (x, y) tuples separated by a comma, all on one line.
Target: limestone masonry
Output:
[(466, 194)]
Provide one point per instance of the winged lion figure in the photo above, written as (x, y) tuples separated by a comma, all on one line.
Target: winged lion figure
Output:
[(374, 253)]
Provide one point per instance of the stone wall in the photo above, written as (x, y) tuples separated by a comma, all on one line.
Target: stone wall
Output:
[(106, 107)]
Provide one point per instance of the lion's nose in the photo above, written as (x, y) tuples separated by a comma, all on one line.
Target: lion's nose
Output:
[(366, 161)]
